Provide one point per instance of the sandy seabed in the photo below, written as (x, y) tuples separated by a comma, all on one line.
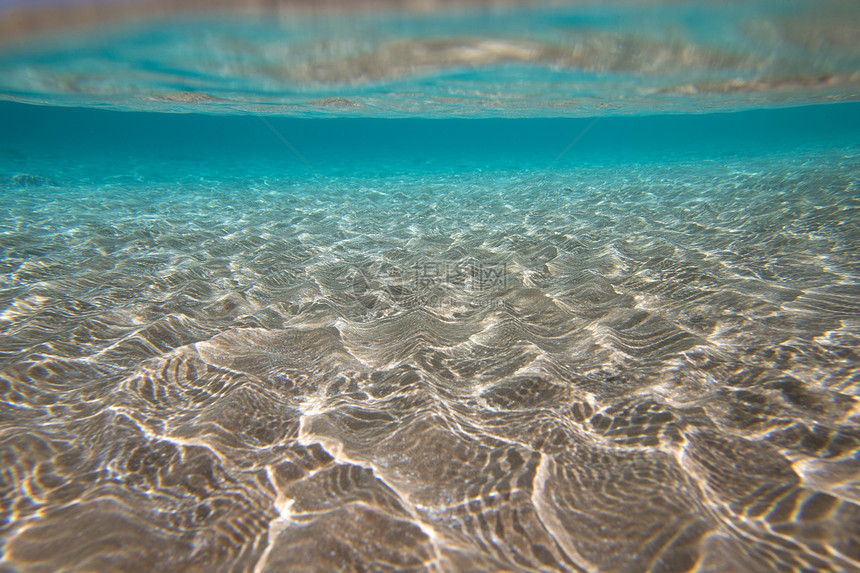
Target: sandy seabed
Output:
[(647, 367)]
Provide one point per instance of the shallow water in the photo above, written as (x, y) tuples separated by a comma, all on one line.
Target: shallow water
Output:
[(248, 341)]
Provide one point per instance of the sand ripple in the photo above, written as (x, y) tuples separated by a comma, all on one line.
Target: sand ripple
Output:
[(646, 370)]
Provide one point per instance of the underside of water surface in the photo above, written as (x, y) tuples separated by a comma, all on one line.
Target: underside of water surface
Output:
[(490, 59), (534, 287)]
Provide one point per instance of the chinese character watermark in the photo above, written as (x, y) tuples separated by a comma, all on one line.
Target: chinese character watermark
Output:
[(431, 283)]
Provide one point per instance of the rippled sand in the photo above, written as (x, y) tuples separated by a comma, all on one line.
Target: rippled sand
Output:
[(644, 368)]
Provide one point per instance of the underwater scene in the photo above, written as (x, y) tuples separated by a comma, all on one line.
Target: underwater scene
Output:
[(425, 285)]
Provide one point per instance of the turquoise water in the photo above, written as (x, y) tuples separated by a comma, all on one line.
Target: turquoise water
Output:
[(551, 59), (473, 290)]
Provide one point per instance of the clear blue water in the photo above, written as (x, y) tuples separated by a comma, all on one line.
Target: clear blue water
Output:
[(555, 59), (564, 287)]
